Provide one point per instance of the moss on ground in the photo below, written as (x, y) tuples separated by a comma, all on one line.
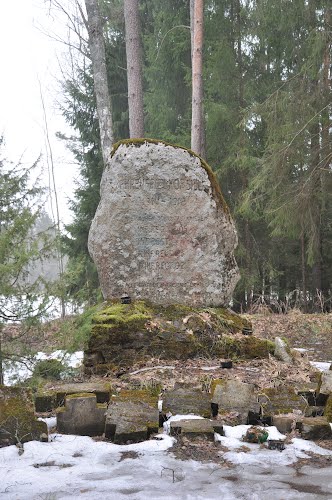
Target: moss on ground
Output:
[(137, 396)]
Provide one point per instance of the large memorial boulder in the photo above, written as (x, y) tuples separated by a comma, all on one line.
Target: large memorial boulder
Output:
[(162, 231)]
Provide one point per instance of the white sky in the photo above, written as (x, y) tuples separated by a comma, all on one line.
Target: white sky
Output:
[(27, 57)]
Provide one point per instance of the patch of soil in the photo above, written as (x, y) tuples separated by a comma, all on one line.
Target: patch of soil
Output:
[(128, 454), (314, 460), (199, 449)]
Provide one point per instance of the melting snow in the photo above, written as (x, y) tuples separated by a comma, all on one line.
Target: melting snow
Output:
[(78, 467)]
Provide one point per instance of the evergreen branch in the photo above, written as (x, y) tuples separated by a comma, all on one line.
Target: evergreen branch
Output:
[(167, 32), (282, 86), (302, 129)]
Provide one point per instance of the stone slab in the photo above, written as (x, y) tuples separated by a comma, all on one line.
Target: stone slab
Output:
[(48, 400), (162, 230), (234, 396), (285, 423), (281, 400), (184, 401), (128, 421), (315, 428), (192, 428), (81, 415)]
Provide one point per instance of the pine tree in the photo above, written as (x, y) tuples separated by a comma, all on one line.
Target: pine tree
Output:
[(134, 68)]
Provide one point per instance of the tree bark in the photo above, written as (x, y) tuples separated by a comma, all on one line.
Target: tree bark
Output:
[(197, 126), (100, 79), (134, 68), (303, 269), (1, 357)]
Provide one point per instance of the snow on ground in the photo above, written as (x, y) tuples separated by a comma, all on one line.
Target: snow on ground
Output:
[(78, 467), (321, 366), (18, 371)]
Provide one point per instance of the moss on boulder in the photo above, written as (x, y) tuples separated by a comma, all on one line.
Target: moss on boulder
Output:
[(123, 334), (17, 417)]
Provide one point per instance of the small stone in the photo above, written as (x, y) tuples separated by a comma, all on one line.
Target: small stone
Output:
[(282, 351), (227, 363), (326, 382), (276, 444)]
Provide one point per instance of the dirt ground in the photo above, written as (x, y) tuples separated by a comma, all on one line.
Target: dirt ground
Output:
[(309, 331)]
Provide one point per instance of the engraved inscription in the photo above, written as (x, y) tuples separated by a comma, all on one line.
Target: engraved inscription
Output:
[(128, 183), (161, 232)]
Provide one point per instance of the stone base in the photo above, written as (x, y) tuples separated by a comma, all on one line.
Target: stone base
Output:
[(123, 334)]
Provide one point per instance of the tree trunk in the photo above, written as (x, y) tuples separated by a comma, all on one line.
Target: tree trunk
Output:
[(134, 68), (1, 357), (192, 7), (197, 126), (98, 57), (303, 269)]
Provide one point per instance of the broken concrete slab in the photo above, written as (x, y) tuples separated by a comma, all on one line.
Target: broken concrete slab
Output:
[(50, 399), (130, 422), (192, 428), (18, 423), (281, 400), (234, 396), (45, 402), (81, 415), (314, 428), (185, 401)]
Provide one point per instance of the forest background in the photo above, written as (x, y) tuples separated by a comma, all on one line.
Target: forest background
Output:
[(267, 114), (266, 122)]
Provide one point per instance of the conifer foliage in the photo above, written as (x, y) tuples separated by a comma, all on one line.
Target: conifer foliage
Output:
[(266, 74)]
